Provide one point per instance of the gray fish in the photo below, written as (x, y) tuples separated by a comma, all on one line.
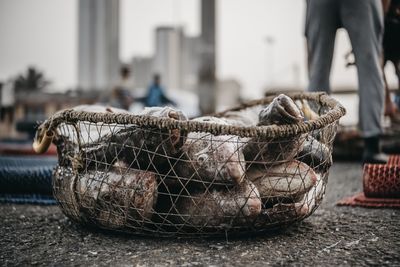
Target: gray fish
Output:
[(289, 181), (118, 198), (323, 135), (288, 212), (91, 133), (64, 180), (139, 147), (274, 151), (245, 117), (280, 214), (68, 136), (313, 197), (282, 110), (236, 206), (315, 154), (164, 112), (112, 199), (308, 112), (211, 158)]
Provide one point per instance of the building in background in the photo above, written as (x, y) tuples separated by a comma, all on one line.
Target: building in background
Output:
[(176, 59), (185, 62), (168, 56), (142, 69), (207, 77), (227, 94), (191, 62), (98, 44)]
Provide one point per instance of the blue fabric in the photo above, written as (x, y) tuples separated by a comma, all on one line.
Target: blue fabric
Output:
[(27, 199), (154, 96), (26, 175), (26, 180), (25, 161)]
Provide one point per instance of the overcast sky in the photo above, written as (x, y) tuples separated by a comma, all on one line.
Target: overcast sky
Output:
[(43, 33)]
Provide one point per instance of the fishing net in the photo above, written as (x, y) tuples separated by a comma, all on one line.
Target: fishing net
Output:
[(161, 174)]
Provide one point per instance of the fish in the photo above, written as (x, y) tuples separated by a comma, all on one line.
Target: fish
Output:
[(246, 117), (288, 182), (218, 208), (283, 213), (308, 112), (91, 132), (314, 196), (282, 110), (69, 137), (67, 151), (139, 147), (289, 212), (323, 135), (316, 155), (211, 158), (164, 112), (279, 215), (64, 180), (118, 198), (273, 151)]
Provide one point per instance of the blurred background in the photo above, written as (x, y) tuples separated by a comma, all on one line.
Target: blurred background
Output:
[(210, 55)]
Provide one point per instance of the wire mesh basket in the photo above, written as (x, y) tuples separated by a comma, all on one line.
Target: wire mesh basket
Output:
[(262, 165)]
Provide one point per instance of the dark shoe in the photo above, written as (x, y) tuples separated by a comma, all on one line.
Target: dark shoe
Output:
[(372, 151), (380, 158)]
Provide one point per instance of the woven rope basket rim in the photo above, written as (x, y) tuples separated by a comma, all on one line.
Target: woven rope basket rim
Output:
[(271, 131)]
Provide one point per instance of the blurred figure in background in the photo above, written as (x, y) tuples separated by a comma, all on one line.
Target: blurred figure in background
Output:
[(155, 95), (121, 94), (363, 20), (126, 82)]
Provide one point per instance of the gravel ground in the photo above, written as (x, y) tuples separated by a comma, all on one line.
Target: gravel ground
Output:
[(40, 235)]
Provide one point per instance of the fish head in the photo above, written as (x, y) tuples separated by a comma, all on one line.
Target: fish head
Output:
[(218, 156), (164, 112), (282, 110), (176, 136)]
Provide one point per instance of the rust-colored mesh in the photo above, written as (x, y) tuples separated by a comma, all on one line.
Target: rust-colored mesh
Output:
[(171, 177)]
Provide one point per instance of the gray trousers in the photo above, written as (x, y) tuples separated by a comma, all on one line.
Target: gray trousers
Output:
[(363, 20)]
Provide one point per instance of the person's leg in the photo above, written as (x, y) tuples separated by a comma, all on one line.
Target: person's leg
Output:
[(321, 25), (2, 113), (363, 19), (397, 70), (390, 107), (397, 93)]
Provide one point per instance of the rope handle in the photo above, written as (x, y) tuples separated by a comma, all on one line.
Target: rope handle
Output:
[(271, 131), (42, 140)]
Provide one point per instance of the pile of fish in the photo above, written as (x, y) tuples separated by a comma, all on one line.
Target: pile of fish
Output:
[(144, 178)]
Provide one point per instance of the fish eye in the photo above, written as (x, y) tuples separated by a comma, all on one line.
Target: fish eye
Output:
[(202, 158)]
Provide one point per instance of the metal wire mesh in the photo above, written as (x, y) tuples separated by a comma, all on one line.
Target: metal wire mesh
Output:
[(167, 181)]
